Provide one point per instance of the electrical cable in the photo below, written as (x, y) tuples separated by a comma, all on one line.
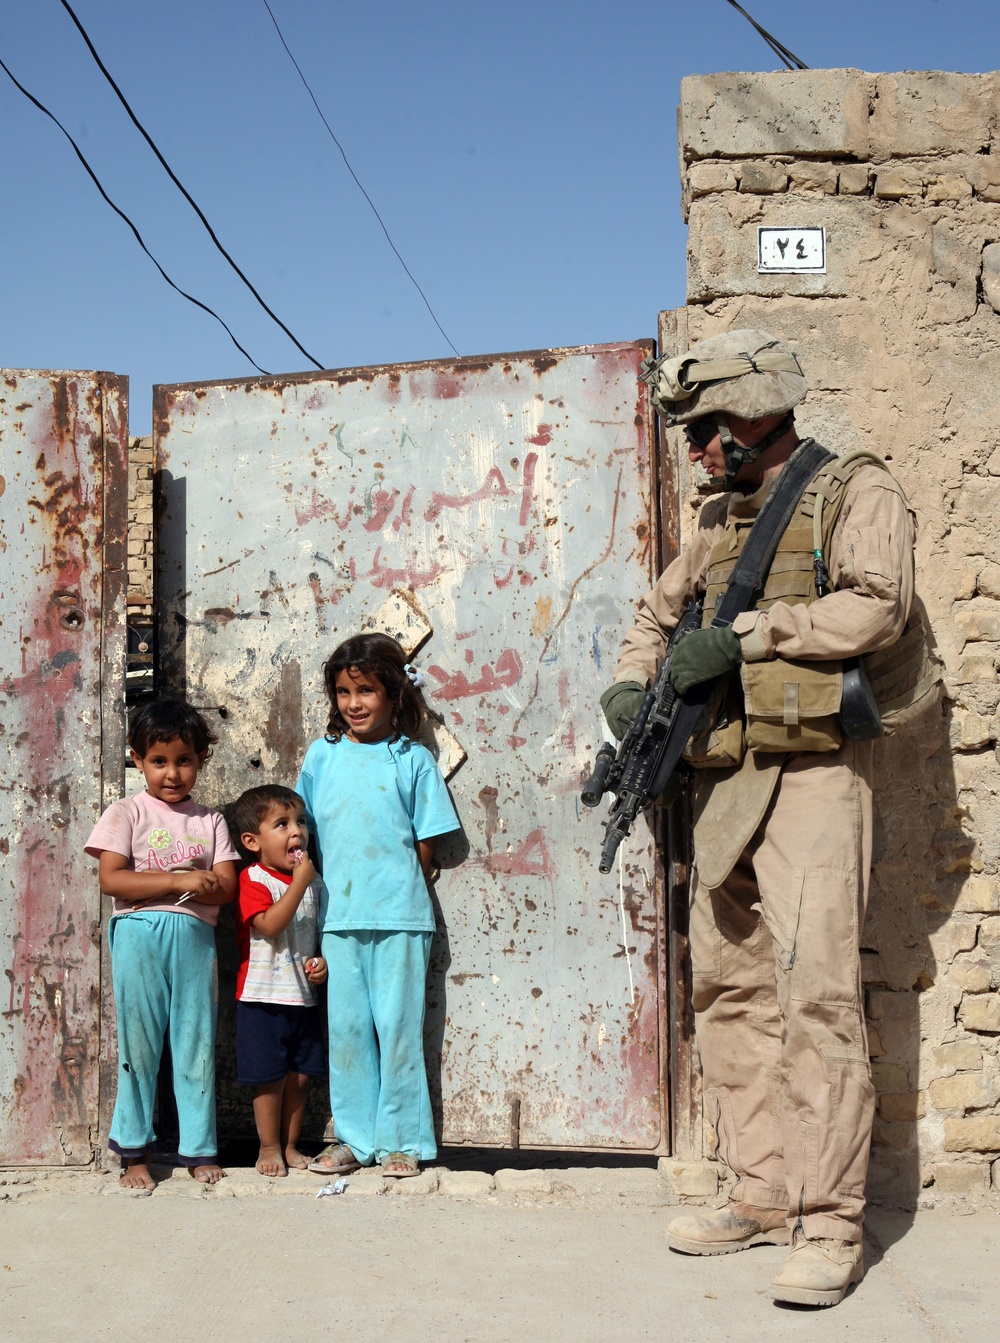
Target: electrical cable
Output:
[(177, 183), (355, 176), (122, 215), (789, 58)]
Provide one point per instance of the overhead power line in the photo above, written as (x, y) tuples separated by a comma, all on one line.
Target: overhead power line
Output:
[(122, 215), (180, 187), (355, 176), (789, 58)]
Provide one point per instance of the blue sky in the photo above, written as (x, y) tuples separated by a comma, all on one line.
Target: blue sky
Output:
[(523, 156)]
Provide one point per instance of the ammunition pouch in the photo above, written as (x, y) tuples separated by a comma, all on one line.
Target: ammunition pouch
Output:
[(792, 706)]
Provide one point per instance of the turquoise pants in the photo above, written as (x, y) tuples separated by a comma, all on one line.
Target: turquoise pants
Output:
[(166, 984), (378, 1082)]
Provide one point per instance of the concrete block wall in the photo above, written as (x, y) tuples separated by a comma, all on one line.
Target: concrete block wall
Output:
[(900, 340)]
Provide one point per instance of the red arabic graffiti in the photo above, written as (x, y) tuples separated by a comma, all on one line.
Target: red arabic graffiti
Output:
[(458, 686), (318, 509), (529, 859), (380, 504), (384, 576), (494, 486)]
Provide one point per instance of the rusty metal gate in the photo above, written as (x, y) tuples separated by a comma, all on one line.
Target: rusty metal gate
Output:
[(516, 498), (63, 444)]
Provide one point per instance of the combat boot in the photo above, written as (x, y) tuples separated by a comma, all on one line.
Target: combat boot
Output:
[(819, 1272), (725, 1230)]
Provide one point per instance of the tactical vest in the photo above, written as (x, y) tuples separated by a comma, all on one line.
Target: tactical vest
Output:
[(780, 704)]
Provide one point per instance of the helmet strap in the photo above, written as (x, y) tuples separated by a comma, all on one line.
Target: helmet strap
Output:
[(738, 455)]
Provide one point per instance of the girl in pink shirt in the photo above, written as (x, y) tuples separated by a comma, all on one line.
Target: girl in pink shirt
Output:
[(168, 864)]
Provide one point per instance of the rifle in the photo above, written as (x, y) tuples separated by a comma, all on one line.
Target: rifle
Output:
[(651, 751), (640, 768)]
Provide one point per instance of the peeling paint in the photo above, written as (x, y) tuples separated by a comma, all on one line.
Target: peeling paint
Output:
[(58, 461), (516, 496)]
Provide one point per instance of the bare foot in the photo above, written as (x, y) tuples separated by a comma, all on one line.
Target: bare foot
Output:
[(269, 1162), (208, 1174), (295, 1158), (136, 1175)]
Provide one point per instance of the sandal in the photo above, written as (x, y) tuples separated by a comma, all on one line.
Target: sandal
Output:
[(404, 1159), (335, 1159)]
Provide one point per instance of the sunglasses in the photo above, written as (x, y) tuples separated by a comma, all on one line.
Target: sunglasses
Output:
[(701, 432)]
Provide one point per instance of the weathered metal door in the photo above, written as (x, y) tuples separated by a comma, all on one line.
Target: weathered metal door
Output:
[(515, 496), (63, 446)]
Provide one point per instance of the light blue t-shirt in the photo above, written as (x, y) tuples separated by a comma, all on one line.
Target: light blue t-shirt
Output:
[(367, 806)]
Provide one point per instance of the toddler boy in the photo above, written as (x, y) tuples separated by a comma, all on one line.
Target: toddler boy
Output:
[(279, 1040)]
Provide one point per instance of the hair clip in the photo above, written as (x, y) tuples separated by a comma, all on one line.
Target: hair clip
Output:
[(415, 677)]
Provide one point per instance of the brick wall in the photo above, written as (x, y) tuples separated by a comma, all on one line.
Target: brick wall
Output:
[(900, 340)]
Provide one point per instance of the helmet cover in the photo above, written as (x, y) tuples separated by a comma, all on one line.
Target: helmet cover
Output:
[(744, 372)]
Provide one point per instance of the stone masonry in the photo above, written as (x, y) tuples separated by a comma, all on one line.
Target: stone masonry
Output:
[(900, 341), (140, 524)]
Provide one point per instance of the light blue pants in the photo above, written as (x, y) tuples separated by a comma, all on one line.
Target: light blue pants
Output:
[(378, 1082), (165, 981)]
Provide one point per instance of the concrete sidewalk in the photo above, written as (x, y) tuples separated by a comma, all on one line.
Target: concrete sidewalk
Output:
[(570, 1255)]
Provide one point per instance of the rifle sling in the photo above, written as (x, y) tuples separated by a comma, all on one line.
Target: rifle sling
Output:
[(747, 580)]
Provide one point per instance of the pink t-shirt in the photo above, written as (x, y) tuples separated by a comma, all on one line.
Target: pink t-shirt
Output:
[(157, 836)]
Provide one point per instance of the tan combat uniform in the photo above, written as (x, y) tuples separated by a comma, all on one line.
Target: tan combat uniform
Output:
[(782, 859)]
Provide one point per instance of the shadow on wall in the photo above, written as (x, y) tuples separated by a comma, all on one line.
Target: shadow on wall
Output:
[(452, 851), (922, 858)]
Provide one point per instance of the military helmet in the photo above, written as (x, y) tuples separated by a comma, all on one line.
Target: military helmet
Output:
[(745, 372)]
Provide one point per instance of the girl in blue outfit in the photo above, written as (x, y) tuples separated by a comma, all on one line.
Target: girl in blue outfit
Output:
[(376, 803)]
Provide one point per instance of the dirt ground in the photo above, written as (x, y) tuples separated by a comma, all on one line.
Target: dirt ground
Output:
[(571, 1255)]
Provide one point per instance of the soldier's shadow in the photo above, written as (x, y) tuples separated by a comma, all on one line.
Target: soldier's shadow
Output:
[(918, 950)]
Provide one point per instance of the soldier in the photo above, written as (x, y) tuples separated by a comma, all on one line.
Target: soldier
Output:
[(783, 813)]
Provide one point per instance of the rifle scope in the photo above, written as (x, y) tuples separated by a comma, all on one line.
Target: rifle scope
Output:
[(596, 786)]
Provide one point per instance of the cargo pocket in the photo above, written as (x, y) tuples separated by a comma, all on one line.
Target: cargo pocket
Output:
[(792, 706), (822, 960)]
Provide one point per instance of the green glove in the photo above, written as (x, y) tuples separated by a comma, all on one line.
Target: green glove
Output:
[(703, 655), (621, 703)]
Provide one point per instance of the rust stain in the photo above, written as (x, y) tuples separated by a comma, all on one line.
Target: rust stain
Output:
[(283, 728), (446, 388), (488, 798)]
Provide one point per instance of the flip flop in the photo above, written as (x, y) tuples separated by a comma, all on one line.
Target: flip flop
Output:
[(335, 1159), (412, 1166)]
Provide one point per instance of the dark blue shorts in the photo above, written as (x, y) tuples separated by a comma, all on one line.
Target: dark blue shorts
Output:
[(275, 1039)]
